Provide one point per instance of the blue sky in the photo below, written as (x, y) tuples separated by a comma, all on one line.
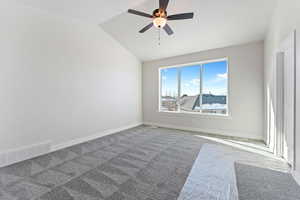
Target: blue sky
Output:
[(214, 79)]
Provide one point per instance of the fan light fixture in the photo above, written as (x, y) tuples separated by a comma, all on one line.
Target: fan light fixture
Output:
[(159, 22)]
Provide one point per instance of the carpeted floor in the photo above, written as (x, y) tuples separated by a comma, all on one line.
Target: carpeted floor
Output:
[(265, 184), (137, 164)]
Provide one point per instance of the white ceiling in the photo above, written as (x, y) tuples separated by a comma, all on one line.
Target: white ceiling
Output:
[(92, 11), (217, 23)]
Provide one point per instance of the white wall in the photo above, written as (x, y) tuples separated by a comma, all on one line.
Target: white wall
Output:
[(246, 93), (62, 80), (286, 19)]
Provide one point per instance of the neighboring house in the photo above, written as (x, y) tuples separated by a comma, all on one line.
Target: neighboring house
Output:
[(190, 103), (214, 99)]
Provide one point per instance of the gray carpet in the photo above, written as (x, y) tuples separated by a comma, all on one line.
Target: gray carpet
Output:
[(256, 183), (137, 164)]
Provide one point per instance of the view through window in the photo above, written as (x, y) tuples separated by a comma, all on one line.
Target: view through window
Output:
[(197, 88)]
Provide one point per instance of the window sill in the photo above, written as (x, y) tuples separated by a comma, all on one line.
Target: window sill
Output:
[(196, 115)]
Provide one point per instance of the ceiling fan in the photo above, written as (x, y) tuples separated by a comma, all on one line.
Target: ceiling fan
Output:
[(160, 17)]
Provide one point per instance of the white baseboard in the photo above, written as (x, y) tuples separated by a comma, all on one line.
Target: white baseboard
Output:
[(210, 131), (20, 154), (92, 137), (296, 176)]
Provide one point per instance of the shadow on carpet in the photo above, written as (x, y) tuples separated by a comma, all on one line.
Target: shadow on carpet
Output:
[(256, 183)]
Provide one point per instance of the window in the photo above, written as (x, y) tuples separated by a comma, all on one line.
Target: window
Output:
[(197, 88), (169, 91)]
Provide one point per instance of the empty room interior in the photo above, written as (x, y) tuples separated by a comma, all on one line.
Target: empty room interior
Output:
[(150, 100)]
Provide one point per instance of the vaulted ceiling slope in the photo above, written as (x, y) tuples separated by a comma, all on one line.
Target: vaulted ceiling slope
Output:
[(216, 24), (92, 11)]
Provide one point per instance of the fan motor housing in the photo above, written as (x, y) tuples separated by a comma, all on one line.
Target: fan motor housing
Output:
[(160, 13)]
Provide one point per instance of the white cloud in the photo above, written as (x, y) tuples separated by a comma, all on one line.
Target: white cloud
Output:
[(222, 76), (219, 78), (195, 82)]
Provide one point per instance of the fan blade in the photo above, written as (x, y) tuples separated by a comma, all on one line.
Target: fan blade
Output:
[(146, 28), (163, 4), (181, 16), (135, 12), (168, 29)]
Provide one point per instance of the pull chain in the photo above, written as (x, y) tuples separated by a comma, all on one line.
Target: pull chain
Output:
[(159, 31)]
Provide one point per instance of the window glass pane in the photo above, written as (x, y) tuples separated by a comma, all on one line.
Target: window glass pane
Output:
[(169, 89), (214, 98), (190, 88)]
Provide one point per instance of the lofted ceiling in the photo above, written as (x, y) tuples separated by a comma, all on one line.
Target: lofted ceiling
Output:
[(217, 23), (92, 11)]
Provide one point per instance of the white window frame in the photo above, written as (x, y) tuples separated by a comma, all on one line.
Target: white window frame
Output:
[(201, 63)]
